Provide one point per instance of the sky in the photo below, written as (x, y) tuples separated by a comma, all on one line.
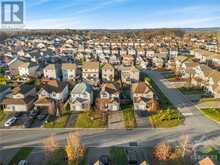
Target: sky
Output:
[(121, 14)]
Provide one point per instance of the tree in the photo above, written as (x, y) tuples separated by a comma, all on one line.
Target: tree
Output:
[(155, 106), (50, 145), (74, 149), (162, 151)]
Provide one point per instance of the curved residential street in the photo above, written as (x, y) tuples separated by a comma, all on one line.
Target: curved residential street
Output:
[(199, 128)]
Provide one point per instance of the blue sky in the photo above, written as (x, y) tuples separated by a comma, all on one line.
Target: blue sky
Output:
[(121, 14)]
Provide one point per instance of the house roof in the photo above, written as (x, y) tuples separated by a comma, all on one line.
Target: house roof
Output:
[(90, 65), (110, 88), (50, 66), (3, 88), (140, 87), (69, 66), (10, 101), (206, 161), (23, 89), (107, 66), (81, 88), (54, 86)]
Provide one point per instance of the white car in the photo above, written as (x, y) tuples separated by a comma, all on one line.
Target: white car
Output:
[(22, 162), (10, 121)]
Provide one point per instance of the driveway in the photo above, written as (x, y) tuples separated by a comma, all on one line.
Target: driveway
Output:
[(116, 120)]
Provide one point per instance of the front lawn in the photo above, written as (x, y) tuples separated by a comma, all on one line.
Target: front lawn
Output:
[(22, 154), (59, 157), (163, 100), (57, 122), (91, 120), (166, 119), (2, 115), (129, 118), (118, 156), (212, 113), (191, 90)]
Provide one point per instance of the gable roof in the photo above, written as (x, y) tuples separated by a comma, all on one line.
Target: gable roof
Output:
[(140, 87), (69, 66), (206, 161), (54, 86), (81, 88), (23, 89), (90, 65)]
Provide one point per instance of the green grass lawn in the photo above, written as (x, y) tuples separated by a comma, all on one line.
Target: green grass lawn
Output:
[(191, 90), (57, 122), (118, 156), (129, 118), (22, 154), (2, 115), (90, 120), (212, 113), (210, 151), (166, 119), (163, 100)]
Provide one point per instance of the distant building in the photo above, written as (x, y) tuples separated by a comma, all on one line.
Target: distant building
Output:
[(108, 73), (52, 71), (90, 72)]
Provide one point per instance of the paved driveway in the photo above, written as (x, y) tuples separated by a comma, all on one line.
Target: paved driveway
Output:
[(116, 120)]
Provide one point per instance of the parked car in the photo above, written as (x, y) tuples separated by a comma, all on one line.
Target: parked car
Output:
[(105, 160), (28, 123), (41, 116), (34, 113), (18, 114), (10, 121)]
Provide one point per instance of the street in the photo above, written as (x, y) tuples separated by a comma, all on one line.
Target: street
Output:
[(195, 125)]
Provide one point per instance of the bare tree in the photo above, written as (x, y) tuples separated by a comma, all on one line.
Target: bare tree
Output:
[(162, 151), (50, 144), (74, 149)]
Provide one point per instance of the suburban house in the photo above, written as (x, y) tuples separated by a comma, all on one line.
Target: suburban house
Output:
[(109, 98), (69, 72), (187, 69), (128, 60), (108, 73), (4, 91), (81, 97), (90, 72), (28, 69), (20, 99), (54, 89), (129, 74), (142, 96), (52, 71)]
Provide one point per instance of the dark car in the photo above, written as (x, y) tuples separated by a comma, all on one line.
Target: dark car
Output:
[(34, 113), (42, 116), (105, 160), (28, 123), (18, 114)]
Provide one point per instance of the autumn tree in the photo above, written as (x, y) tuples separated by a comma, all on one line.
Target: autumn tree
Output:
[(162, 151), (74, 149), (50, 145)]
